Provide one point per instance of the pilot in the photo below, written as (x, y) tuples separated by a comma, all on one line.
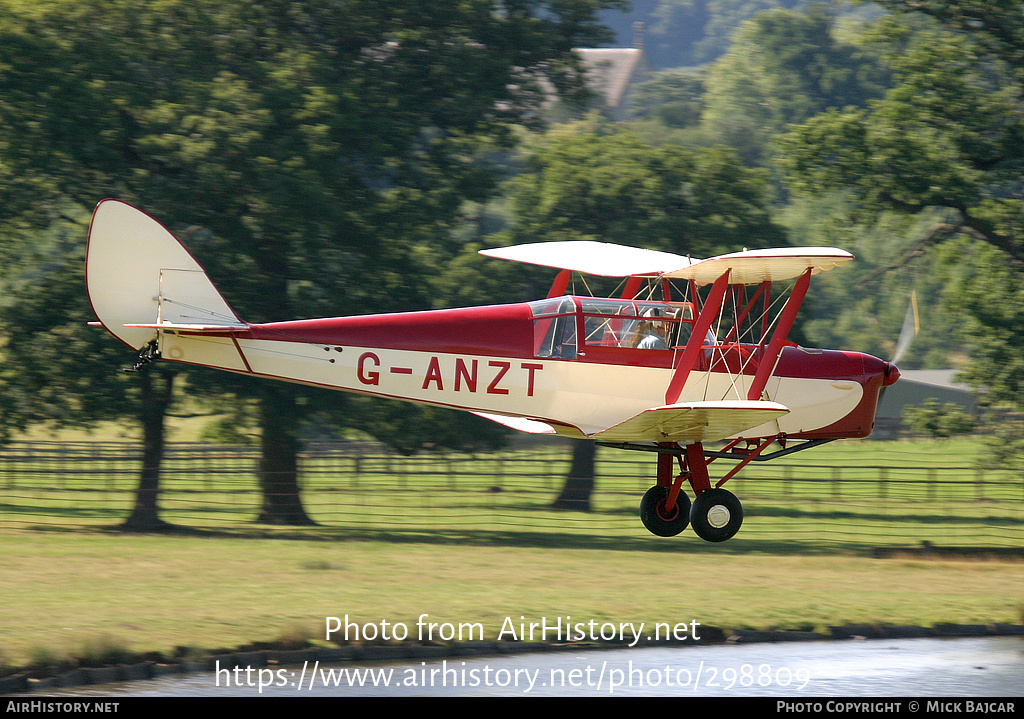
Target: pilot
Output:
[(652, 332)]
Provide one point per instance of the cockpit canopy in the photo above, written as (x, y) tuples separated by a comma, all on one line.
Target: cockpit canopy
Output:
[(610, 323)]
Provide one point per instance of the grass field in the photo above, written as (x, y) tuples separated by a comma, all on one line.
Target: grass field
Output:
[(439, 539)]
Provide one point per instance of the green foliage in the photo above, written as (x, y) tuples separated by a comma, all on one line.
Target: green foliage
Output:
[(56, 369), (784, 67), (942, 145), (233, 429), (595, 181), (1005, 445), (996, 25), (939, 420), (315, 155), (946, 134), (863, 305), (989, 293), (673, 98), (691, 32)]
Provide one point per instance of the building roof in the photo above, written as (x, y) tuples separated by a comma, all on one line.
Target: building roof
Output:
[(916, 386), (936, 377), (610, 71)]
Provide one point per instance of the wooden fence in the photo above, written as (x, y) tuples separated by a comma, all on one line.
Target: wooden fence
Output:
[(356, 489)]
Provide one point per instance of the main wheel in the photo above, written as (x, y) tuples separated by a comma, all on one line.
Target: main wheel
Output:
[(659, 520), (716, 515)]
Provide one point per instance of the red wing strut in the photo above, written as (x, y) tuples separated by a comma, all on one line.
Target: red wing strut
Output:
[(688, 358)]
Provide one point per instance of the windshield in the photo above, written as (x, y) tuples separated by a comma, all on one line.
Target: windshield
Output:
[(608, 323), (639, 325)]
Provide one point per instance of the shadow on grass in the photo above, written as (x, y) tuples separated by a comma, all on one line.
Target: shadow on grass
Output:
[(109, 521), (685, 544), (959, 520), (66, 513)]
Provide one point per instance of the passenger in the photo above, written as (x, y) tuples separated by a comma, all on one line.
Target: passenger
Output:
[(652, 333)]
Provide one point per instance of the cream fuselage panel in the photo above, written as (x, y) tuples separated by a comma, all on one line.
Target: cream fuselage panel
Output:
[(589, 396)]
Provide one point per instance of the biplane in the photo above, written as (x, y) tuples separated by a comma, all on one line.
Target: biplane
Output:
[(689, 359)]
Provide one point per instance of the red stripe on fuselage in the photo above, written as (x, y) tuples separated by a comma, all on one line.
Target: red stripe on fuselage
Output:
[(491, 331)]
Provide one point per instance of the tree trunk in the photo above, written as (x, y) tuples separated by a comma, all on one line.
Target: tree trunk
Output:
[(279, 459), (579, 483), (156, 388)]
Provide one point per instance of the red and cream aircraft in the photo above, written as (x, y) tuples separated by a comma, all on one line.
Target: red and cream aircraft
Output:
[(690, 352)]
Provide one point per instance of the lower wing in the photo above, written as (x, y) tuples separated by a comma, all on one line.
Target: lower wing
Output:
[(686, 422)]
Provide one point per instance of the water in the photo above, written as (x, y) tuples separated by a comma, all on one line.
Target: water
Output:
[(925, 668)]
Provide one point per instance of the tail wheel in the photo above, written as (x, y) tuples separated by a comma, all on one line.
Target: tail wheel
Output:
[(716, 515), (658, 519)]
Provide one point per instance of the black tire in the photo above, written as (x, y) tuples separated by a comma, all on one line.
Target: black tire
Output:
[(716, 515), (656, 519)]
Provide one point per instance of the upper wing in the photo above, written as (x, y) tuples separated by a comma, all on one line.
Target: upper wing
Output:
[(592, 258), (609, 260), (693, 421), (755, 266)]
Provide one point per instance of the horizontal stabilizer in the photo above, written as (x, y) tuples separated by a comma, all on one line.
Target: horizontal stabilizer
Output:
[(200, 329), (693, 422)]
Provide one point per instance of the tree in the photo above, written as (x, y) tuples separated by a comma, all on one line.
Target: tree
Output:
[(320, 151), (939, 420), (60, 372), (945, 135), (864, 306), (579, 482), (596, 181), (784, 67), (989, 294), (690, 32), (943, 141), (673, 98)]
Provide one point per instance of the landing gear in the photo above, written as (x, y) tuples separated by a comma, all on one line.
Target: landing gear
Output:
[(657, 518), (716, 515)]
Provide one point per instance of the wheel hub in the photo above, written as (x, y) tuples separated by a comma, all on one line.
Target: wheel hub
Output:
[(719, 516), (664, 514)]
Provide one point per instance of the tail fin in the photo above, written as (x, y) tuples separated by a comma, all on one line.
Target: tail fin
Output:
[(140, 277)]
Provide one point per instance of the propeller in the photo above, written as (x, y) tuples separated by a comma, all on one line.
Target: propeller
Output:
[(911, 326)]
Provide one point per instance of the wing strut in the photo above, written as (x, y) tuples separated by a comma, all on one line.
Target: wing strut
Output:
[(560, 283), (771, 356), (688, 358)]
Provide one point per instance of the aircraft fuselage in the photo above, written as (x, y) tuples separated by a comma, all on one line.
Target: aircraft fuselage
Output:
[(502, 360)]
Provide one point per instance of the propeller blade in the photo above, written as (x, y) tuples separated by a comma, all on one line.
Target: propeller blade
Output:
[(911, 326)]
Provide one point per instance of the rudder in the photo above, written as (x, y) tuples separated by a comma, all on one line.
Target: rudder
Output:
[(138, 273)]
